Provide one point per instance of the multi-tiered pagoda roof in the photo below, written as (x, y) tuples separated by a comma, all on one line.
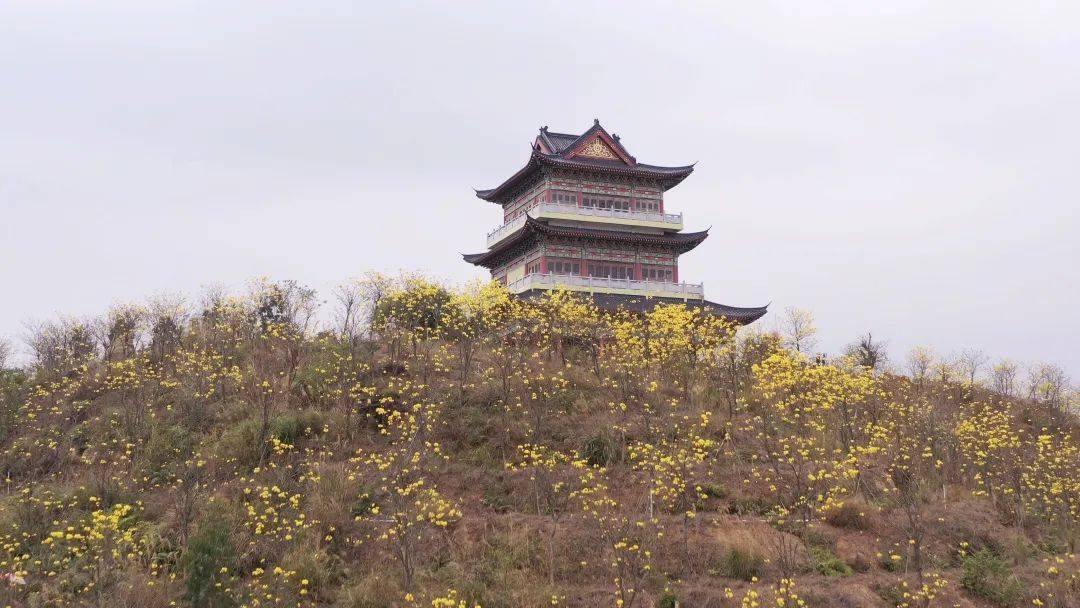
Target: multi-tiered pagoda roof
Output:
[(585, 215)]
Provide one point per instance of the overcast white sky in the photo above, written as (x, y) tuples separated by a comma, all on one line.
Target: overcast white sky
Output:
[(907, 168)]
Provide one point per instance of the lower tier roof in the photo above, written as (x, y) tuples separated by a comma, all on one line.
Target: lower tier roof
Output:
[(632, 303), (534, 229)]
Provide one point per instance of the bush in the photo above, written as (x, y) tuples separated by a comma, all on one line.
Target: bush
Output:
[(600, 451), (712, 490), (890, 564), (208, 552), (894, 595), (497, 495), (291, 427), (668, 601), (365, 505), (986, 575), (741, 565), (13, 388), (746, 505), (240, 444), (825, 562), (166, 446), (314, 564), (848, 515)]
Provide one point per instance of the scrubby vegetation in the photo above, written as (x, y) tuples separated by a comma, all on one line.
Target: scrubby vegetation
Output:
[(419, 446)]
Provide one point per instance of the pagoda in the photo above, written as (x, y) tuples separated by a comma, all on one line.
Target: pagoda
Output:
[(585, 215)]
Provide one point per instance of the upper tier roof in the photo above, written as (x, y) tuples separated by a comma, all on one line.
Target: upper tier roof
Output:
[(593, 150)]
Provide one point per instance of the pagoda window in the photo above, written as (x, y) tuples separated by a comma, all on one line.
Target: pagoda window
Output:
[(561, 197), (648, 205), (566, 267), (611, 271), (533, 267), (616, 203), (657, 273)]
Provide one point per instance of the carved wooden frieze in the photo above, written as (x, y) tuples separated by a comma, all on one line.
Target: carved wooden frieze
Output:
[(598, 149)]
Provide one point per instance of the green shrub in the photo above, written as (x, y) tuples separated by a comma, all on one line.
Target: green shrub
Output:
[(894, 595), (600, 451), (825, 562), (497, 495), (890, 564), (209, 551), (713, 490), (745, 505), (314, 564), (813, 538), (986, 575), (291, 427), (668, 601), (740, 564), (240, 444), (166, 446), (13, 389), (365, 504), (1052, 546)]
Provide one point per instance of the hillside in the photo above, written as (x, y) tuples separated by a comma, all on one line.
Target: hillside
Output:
[(418, 446)]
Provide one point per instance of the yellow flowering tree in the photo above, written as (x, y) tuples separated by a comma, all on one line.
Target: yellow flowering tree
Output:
[(807, 460), (1053, 483), (407, 504), (627, 536), (676, 467), (554, 477), (990, 441)]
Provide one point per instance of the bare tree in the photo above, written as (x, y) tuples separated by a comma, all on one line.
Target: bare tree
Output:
[(970, 361), (798, 328), (60, 346), (120, 332), (167, 318), (1004, 377), (348, 314), (946, 369), (919, 362), (282, 315), (373, 289), (1048, 384), (867, 352), (5, 353)]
